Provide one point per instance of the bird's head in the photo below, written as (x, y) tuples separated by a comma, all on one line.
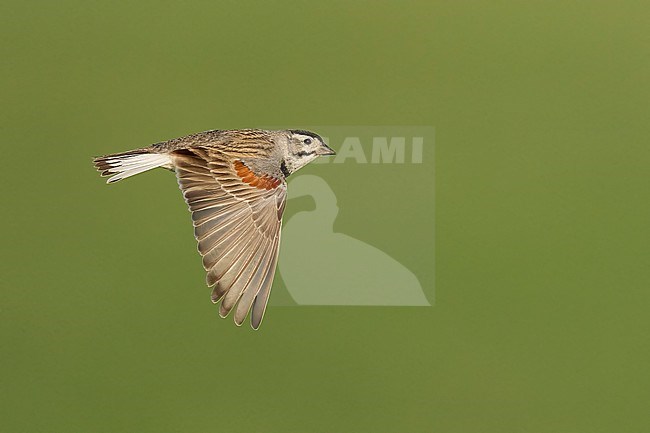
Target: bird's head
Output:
[(302, 148)]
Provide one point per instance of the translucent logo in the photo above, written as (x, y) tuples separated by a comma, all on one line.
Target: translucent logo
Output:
[(321, 267)]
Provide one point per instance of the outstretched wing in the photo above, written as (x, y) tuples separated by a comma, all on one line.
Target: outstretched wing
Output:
[(237, 218)]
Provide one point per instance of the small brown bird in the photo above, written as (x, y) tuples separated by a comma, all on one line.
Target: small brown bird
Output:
[(234, 183)]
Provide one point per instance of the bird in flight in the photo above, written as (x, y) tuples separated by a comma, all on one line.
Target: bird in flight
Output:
[(234, 183)]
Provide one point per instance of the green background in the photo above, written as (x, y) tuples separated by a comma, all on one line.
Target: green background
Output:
[(541, 217)]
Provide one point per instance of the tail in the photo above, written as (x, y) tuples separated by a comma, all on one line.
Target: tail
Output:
[(122, 165)]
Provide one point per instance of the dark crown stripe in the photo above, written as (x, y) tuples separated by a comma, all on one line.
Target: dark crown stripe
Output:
[(308, 133)]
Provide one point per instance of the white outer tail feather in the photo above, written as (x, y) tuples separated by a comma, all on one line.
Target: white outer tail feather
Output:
[(129, 165)]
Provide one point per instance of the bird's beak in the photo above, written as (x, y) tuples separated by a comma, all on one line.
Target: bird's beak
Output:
[(325, 150)]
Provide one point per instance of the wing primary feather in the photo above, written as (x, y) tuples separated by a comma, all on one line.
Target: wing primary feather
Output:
[(215, 274), (262, 298), (229, 275), (254, 285), (242, 281)]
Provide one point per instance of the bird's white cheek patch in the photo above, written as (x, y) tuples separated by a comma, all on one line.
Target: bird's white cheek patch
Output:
[(250, 178)]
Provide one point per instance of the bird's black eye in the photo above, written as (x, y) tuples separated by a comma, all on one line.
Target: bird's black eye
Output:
[(307, 141)]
